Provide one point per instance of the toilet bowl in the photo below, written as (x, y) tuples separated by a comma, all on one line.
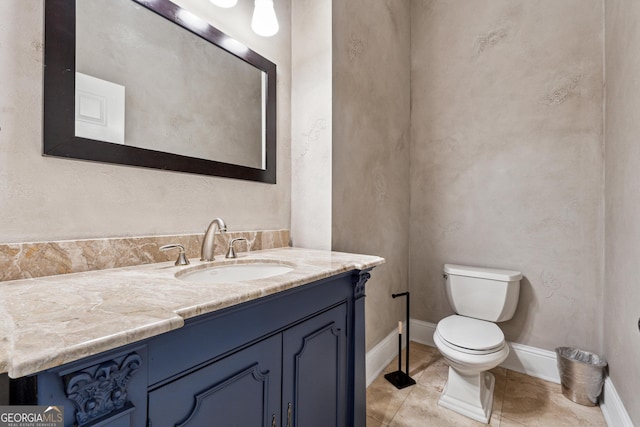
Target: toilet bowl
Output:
[(470, 342), (469, 388)]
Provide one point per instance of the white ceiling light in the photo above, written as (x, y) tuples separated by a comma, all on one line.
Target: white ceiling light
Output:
[(224, 3), (264, 21)]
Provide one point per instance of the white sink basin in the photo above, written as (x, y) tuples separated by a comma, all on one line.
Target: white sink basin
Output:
[(234, 272)]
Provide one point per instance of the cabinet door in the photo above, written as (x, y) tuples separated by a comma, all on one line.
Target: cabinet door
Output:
[(241, 390), (314, 375)]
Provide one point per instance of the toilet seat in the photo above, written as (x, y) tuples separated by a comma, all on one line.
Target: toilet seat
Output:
[(469, 335)]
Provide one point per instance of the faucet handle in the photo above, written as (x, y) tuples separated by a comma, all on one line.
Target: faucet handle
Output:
[(182, 258), (231, 253)]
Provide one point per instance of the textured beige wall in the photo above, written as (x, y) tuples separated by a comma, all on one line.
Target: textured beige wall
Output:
[(622, 201), (371, 45), (44, 198), (506, 158)]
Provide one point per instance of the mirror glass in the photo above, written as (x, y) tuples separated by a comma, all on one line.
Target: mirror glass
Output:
[(147, 83)]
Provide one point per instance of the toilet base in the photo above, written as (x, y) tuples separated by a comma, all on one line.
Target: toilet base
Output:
[(469, 395)]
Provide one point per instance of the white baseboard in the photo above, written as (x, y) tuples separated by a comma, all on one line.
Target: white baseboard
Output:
[(532, 361), (612, 407), (422, 332), (522, 358)]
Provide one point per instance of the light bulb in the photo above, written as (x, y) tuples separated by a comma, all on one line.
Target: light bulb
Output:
[(264, 21), (224, 3)]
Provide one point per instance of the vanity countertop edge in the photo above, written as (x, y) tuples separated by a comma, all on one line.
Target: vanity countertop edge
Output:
[(48, 321)]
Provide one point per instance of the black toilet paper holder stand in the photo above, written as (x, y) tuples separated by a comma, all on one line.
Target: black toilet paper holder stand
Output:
[(399, 378)]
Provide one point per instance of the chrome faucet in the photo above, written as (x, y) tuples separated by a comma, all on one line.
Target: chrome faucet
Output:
[(209, 241)]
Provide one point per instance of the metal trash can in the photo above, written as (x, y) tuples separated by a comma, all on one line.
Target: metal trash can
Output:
[(581, 375)]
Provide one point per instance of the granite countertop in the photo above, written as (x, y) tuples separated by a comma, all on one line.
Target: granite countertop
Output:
[(49, 321)]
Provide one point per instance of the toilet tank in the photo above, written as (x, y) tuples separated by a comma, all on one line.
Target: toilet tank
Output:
[(483, 293)]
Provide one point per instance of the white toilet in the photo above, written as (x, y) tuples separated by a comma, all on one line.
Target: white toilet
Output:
[(470, 341)]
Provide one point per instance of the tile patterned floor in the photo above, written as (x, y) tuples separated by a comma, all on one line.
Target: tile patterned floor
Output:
[(519, 400)]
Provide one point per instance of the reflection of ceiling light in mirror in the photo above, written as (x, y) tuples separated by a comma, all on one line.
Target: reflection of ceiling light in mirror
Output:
[(224, 3), (264, 21), (192, 19), (234, 45)]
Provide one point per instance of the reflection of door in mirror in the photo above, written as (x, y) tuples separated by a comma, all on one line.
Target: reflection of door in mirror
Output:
[(183, 94)]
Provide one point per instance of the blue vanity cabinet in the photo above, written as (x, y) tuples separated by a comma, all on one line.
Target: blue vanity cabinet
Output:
[(242, 389), (295, 358), (314, 373), (301, 370)]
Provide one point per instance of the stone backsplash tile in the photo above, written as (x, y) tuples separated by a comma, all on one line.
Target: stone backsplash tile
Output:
[(28, 260)]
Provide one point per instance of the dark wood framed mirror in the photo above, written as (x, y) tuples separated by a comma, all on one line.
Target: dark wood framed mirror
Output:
[(62, 137)]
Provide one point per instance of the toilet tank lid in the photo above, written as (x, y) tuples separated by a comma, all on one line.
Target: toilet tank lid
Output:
[(482, 272)]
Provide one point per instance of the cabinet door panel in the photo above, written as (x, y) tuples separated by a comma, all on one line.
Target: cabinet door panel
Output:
[(315, 371), (241, 390)]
